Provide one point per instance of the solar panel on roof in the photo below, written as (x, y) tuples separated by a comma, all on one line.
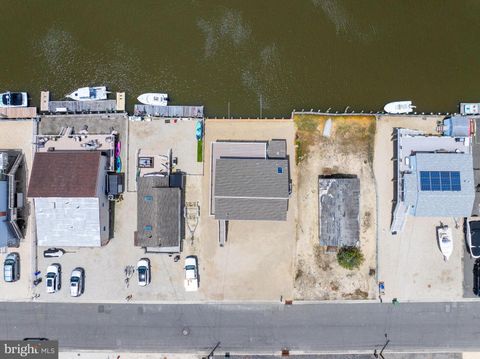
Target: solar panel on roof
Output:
[(440, 181)]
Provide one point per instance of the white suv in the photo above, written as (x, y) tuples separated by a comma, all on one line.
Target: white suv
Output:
[(54, 273)]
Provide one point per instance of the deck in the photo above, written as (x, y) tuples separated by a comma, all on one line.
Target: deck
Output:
[(100, 106), (18, 112), (169, 111), (82, 106)]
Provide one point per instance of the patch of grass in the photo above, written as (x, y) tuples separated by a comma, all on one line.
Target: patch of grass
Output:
[(321, 259), (357, 294), (299, 151), (306, 123), (299, 274), (350, 257), (200, 151)]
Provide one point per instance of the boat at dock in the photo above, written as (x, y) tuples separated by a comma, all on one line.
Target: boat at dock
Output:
[(445, 242), (469, 108), (154, 99), (13, 99), (89, 93), (399, 107)]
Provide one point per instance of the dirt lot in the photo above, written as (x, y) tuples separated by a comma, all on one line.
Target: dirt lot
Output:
[(257, 260), (410, 263), (19, 135), (349, 150)]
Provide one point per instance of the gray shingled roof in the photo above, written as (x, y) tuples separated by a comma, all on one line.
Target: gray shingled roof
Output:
[(339, 209), (277, 149), (158, 213), (251, 209), (238, 177), (440, 203), (251, 189)]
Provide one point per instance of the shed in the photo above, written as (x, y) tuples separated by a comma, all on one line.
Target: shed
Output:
[(339, 208)]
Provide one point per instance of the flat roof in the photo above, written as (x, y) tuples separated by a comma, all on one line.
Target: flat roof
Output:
[(68, 222), (426, 201), (339, 211)]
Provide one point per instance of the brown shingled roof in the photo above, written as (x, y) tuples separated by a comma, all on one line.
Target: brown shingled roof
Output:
[(64, 174)]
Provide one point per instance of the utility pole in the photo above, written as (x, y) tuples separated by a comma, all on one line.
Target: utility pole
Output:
[(210, 355), (381, 351), (261, 106)]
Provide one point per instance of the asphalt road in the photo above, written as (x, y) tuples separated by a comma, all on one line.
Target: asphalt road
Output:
[(252, 328)]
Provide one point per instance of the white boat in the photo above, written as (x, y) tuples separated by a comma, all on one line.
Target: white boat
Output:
[(155, 99), (445, 242), (399, 107), (469, 108), (13, 99), (89, 93)]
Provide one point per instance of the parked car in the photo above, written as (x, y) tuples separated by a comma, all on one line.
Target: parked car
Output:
[(11, 267), (473, 238), (77, 280), (191, 274), (54, 273), (143, 269), (476, 278)]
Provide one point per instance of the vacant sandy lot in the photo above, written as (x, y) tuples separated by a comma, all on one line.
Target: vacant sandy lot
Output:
[(348, 151), (256, 263), (19, 135), (410, 263)]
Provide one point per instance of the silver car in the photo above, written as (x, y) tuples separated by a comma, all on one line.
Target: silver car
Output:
[(76, 282), (11, 267)]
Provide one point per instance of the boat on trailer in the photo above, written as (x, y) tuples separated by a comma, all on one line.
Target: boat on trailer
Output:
[(399, 107), (89, 93), (154, 99), (445, 242)]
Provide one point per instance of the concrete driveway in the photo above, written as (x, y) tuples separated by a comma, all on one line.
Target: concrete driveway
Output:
[(410, 263)]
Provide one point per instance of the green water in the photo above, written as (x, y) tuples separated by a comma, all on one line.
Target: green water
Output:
[(285, 54)]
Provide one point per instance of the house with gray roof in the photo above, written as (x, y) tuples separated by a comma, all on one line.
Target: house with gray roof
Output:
[(434, 177), (159, 213), (250, 181)]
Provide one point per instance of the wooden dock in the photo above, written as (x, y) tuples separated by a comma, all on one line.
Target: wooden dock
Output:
[(121, 101), (169, 111), (44, 100), (18, 112), (82, 106)]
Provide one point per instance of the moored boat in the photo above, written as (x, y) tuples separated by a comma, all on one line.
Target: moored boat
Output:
[(399, 107), (13, 99), (89, 93), (154, 99)]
